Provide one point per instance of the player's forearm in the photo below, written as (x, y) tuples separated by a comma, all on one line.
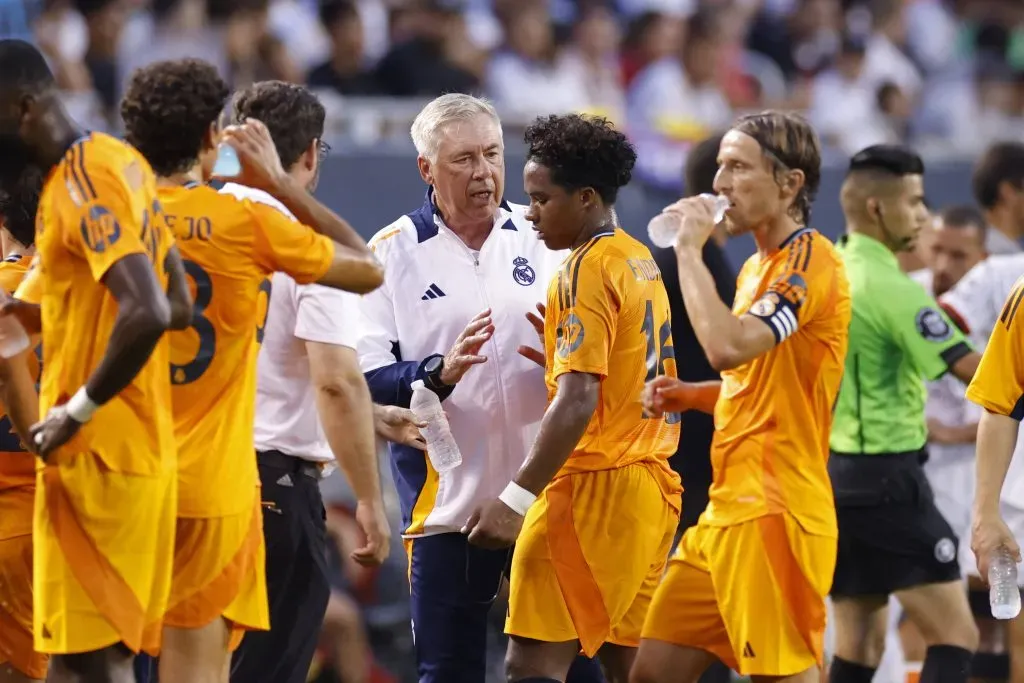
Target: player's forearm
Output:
[(18, 394), (136, 333), (347, 415), (309, 211), (713, 322), (949, 434), (704, 395), (997, 436), (561, 429)]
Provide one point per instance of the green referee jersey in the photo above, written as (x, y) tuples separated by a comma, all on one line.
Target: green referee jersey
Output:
[(899, 337)]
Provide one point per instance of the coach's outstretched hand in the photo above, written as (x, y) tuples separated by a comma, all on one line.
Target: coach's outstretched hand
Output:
[(493, 526), (538, 326), (465, 353), (53, 432)]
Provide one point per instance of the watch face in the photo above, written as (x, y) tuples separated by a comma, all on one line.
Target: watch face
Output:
[(434, 366)]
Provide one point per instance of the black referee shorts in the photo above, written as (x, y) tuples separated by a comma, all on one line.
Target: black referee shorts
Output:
[(891, 535), (298, 584)]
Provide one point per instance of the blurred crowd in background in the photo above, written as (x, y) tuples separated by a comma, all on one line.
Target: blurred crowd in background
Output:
[(947, 75)]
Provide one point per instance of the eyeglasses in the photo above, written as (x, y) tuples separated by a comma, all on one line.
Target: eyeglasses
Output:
[(323, 149)]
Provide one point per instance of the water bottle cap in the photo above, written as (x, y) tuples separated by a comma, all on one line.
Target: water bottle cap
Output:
[(418, 384)]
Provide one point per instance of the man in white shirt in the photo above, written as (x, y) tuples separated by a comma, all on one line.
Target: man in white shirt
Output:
[(465, 256), (998, 183), (312, 405)]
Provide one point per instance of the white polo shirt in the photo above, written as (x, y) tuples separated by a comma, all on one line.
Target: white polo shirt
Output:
[(286, 413)]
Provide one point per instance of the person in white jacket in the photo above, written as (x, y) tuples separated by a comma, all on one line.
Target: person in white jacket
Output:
[(461, 273)]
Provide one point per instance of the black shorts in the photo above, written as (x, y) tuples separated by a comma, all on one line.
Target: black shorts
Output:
[(891, 535)]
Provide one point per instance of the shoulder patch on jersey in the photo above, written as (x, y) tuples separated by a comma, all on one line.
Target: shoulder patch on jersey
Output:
[(792, 288), (100, 229), (384, 236), (932, 326), (568, 335), (522, 272)]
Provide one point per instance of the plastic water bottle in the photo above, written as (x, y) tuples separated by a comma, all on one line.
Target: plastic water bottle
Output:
[(227, 164), (1004, 594), (441, 447), (663, 228), (13, 337)]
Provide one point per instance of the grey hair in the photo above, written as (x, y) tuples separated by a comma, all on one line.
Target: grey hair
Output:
[(430, 123)]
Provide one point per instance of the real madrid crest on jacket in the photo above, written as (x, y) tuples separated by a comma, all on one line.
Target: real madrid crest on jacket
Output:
[(433, 286)]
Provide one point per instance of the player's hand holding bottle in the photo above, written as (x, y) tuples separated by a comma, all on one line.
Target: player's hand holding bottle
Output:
[(261, 165), (697, 220), (989, 533)]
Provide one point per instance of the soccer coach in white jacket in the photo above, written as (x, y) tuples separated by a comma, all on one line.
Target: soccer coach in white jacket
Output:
[(461, 273)]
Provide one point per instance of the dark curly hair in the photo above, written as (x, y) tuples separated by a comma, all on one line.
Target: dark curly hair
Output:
[(582, 151), (168, 110), (293, 115), (19, 203)]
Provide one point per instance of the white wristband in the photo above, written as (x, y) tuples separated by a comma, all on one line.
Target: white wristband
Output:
[(517, 498), (81, 408)]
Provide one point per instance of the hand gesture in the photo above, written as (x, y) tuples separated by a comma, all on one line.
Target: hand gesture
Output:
[(400, 426), (261, 165), (538, 326), (697, 220), (665, 394), (374, 523), (464, 354), (29, 315), (988, 534), (53, 432), (493, 526)]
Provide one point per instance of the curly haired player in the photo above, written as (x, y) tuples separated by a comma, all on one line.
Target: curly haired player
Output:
[(230, 247), (595, 505)]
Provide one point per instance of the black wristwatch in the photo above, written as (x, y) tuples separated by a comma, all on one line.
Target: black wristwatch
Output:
[(432, 369)]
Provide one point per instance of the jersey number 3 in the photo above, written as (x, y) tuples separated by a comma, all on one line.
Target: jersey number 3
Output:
[(659, 350), (203, 327)]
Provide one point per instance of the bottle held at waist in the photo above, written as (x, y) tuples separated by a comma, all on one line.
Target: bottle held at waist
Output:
[(441, 447)]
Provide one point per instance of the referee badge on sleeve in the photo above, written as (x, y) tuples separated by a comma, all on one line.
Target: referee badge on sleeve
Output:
[(932, 326)]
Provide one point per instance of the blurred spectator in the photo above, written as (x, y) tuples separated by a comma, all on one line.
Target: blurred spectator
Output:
[(591, 59), (885, 61), (524, 78), (896, 111), (844, 106), (104, 20), (678, 101), (803, 42), (650, 37), (432, 59), (344, 71)]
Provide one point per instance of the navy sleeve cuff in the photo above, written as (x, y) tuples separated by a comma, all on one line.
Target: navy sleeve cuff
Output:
[(391, 385)]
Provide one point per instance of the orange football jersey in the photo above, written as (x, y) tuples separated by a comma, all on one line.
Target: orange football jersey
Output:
[(98, 205), (230, 247), (774, 413), (17, 465), (998, 384), (608, 315)]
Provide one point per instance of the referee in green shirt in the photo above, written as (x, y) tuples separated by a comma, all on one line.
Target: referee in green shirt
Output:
[(892, 538)]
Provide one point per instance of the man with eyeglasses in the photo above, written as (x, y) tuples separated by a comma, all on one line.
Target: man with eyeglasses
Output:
[(312, 404)]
